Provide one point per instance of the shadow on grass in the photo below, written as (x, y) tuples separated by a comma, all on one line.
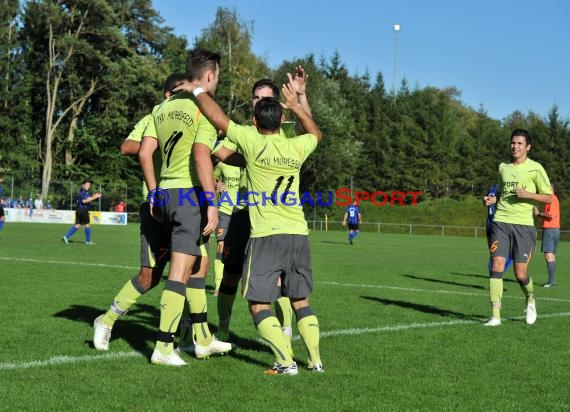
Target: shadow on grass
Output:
[(425, 308), (446, 282), (332, 242), (139, 327), (475, 275), (134, 328)]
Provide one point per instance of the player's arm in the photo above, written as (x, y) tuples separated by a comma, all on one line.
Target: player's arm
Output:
[(292, 103), (537, 197), (130, 147), (230, 157), (359, 217), (344, 218), (207, 104), (147, 148), (205, 170)]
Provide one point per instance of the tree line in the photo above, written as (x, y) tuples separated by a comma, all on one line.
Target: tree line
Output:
[(78, 74)]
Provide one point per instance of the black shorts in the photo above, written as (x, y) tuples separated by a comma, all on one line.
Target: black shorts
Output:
[(82, 216), (353, 226), (222, 228), (155, 249), (516, 241), (185, 219), (235, 242), (1, 211), (277, 256)]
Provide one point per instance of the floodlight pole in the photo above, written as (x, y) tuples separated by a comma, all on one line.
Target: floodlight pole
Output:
[(397, 28)]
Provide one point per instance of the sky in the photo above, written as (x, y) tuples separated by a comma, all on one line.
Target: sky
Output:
[(502, 55)]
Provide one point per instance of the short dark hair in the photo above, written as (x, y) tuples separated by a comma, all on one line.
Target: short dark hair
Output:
[(86, 181), (523, 133), (266, 83), (199, 60), (267, 113), (172, 81)]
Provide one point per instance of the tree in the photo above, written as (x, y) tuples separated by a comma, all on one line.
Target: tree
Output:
[(240, 68), (99, 67)]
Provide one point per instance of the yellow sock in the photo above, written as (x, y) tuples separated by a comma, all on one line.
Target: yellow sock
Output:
[(196, 295), (308, 326), (171, 305), (270, 331), (495, 294), (528, 291), (284, 313), (126, 297), (218, 273)]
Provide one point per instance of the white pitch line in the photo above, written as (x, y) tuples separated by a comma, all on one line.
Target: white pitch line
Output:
[(59, 262), (65, 359), (448, 292)]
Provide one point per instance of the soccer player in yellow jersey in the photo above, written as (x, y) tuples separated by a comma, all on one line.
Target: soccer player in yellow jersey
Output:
[(154, 244), (521, 184), (184, 200), (240, 227), (228, 178), (279, 246)]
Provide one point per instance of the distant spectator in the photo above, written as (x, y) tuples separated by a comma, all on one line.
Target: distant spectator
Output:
[(121, 207), (2, 218), (38, 204), (550, 224), (48, 205)]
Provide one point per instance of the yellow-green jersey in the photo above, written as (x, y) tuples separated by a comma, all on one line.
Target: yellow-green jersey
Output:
[(273, 164), (178, 125), (231, 176), (136, 135), (529, 175), (288, 129)]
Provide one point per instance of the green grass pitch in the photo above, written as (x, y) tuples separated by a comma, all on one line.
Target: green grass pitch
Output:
[(401, 330)]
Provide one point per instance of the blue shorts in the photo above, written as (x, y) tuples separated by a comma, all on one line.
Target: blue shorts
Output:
[(550, 239)]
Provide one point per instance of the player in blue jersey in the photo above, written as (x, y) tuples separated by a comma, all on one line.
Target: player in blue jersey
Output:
[(2, 218), (353, 216), (84, 199), (490, 213)]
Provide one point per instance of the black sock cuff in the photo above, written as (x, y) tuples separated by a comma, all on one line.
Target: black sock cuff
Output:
[(496, 275), (199, 317), (228, 289), (196, 283), (138, 286), (303, 313), (261, 316), (524, 282), (176, 287), (166, 337)]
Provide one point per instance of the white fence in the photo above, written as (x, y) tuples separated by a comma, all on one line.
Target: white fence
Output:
[(62, 216), (414, 229)]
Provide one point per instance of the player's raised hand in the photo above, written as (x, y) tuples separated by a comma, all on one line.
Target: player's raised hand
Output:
[(290, 96), (300, 80)]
